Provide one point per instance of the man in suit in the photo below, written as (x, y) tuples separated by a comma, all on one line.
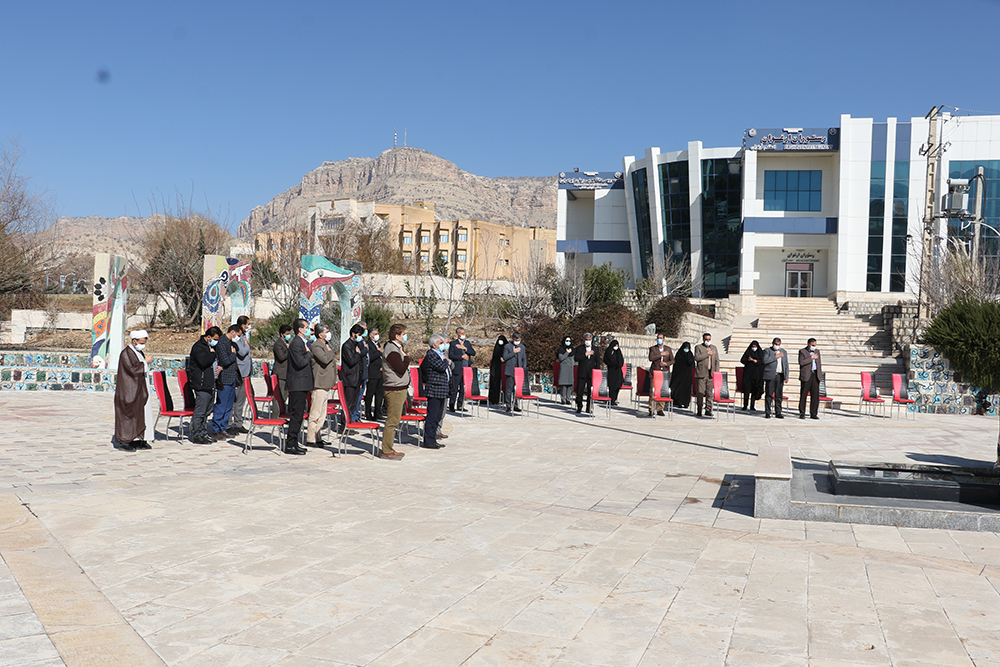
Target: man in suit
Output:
[(353, 354), (436, 369), (201, 378), (775, 376), (244, 364), (810, 371), (460, 352), (587, 358), (514, 356), (226, 378), (661, 358), (375, 390), (706, 362), (299, 381), (280, 368)]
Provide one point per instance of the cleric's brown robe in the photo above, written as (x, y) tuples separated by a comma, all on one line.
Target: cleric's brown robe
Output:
[(131, 394)]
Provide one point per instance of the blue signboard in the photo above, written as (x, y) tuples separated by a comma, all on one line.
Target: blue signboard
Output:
[(792, 139), (591, 180)]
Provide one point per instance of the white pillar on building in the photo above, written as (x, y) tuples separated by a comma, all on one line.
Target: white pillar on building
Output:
[(633, 229), (697, 237), (560, 227)]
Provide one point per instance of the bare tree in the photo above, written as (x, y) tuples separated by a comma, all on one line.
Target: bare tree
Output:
[(24, 213), (286, 261), (528, 294), (567, 290), (954, 274)]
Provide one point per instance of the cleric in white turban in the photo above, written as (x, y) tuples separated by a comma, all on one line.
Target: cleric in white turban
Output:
[(133, 407)]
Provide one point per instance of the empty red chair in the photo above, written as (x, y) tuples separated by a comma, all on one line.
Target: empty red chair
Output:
[(659, 389), (554, 387), (641, 390), (186, 391), (417, 385), (371, 427), (167, 406), (410, 416), (470, 376), (520, 394), (869, 394), (720, 394), (823, 398), (627, 376), (599, 390), (274, 423), (267, 398), (900, 396)]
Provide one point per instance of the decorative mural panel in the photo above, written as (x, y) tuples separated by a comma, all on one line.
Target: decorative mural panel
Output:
[(317, 275), (110, 291), (937, 387), (227, 291)]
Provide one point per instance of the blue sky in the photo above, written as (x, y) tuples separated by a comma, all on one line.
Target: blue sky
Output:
[(231, 103)]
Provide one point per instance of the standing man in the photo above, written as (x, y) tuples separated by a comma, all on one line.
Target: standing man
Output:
[(201, 378), (460, 352), (810, 371), (775, 376), (587, 357), (661, 358), (396, 379), (437, 370), (376, 384), (352, 355), (280, 369), (133, 409), (299, 382), (226, 377), (514, 356), (244, 363), (324, 371), (706, 359)]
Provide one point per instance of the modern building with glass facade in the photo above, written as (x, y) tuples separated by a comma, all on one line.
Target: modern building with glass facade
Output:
[(792, 211)]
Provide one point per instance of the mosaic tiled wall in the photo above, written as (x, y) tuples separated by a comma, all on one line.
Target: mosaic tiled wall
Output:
[(54, 371), (937, 387)]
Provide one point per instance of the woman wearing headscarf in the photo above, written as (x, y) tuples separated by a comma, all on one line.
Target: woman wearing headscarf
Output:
[(680, 380), (614, 360), (753, 375), (564, 355), (496, 372)]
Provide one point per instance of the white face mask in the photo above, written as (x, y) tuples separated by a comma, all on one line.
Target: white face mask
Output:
[(462, 337), (375, 337), (328, 335), (776, 346), (248, 328), (236, 338), (616, 347), (812, 348), (587, 343), (140, 346), (754, 348)]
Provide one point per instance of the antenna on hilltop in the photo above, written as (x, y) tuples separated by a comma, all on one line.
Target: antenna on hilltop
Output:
[(393, 137), (404, 136)]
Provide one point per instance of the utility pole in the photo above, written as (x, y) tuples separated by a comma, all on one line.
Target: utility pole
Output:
[(979, 215), (927, 254)]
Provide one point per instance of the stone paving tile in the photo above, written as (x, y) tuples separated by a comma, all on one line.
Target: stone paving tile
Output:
[(552, 541)]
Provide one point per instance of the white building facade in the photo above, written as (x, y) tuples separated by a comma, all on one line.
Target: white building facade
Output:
[(792, 211)]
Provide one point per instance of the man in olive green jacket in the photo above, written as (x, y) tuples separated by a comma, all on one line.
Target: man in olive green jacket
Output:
[(324, 370)]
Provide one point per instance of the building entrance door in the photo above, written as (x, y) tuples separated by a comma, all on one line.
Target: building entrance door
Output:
[(798, 280)]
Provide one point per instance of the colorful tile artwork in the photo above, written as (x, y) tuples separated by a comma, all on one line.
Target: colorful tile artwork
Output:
[(936, 387)]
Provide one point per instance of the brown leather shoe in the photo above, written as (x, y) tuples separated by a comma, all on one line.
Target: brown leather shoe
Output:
[(395, 456)]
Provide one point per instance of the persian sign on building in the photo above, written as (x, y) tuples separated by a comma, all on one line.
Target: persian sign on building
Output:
[(792, 139), (226, 293)]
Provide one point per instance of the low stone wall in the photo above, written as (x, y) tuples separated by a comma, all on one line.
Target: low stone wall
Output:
[(936, 386)]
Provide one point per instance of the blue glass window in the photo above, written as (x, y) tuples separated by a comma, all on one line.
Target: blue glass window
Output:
[(793, 190), (876, 227), (640, 196)]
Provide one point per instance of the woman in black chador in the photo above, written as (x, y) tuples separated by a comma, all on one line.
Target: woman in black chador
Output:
[(753, 375), (614, 360), (496, 372), (680, 379)]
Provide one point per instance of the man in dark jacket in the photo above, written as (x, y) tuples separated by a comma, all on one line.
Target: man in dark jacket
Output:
[(436, 369), (375, 389), (460, 352), (299, 380), (514, 356), (352, 356), (201, 379), (227, 375), (588, 357), (280, 368)]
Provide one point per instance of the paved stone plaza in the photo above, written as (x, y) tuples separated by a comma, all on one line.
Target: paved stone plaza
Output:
[(559, 541)]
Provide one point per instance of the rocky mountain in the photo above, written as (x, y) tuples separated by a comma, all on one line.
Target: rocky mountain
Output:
[(404, 175)]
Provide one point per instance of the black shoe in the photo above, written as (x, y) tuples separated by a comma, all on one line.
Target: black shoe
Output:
[(232, 432), (320, 442), (659, 413), (516, 409), (578, 410), (802, 416), (126, 447), (239, 429), (430, 445), (708, 413), (699, 413), (202, 440), (767, 415), (753, 409), (142, 444), (298, 451), (816, 418), (650, 413), (779, 416), (451, 409), (222, 435), (508, 410)]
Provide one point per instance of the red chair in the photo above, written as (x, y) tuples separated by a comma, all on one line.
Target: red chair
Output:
[(267, 398), (554, 387), (900, 396), (659, 389), (519, 392), (186, 391), (416, 385), (256, 420), (739, 381), (869, 395), (167, 406), (470, 377), (599, 391), (408, 417), (371, 427), (627, 377), (823, 398), (720, 393), (642, 380)]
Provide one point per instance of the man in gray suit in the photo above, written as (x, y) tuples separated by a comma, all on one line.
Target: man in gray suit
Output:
[(810, 372), (775, 376), (244, 363), (514, 356)]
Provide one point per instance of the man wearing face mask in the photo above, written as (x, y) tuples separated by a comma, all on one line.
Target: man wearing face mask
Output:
[(280, 368), (376, 387), (614, 360), (244, 364), (661, 358), (365, 362), (460, 352), (514, 356), (396, 379), (227, 375), (437, 371), (201, 379), (775, 362), (352, 354), (588, 358), (810, 371), (567, 362), (706, 358), (324, 372), (300, 383), (133, 407)]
